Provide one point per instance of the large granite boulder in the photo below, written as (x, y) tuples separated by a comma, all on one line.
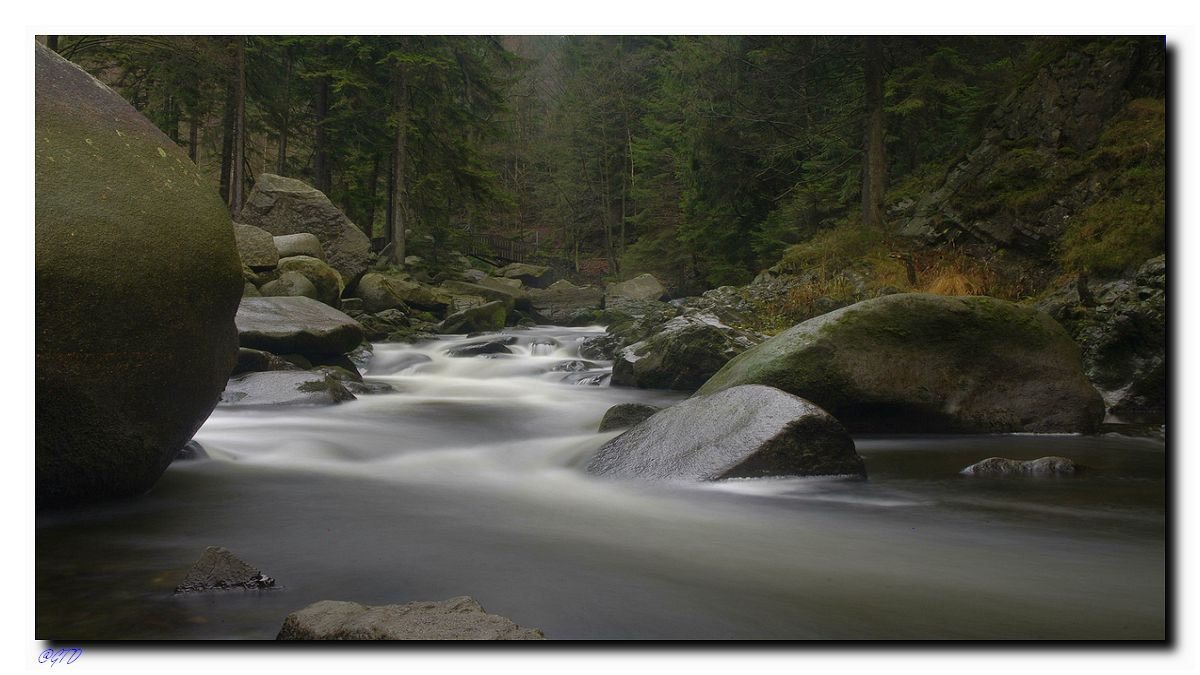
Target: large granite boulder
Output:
[(486, 317), (255, 246), (534, 276), (285, 387), (379, 291), (682, 354), (287, 206), (742, 432), (458, 618), (510, 296), (295, 326), (641, 287), (288, 245), (137, 279), (565, 304), (929, 363), (326, 280)]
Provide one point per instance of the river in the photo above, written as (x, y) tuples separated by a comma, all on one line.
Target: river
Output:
[(467, 481)]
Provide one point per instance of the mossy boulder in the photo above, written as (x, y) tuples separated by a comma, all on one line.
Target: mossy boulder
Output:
[(511, 297), (255, 246), (487, 317), (379, 291), (289, 284), (566, 304), (681, 354), (326, 280), (137, 281), (287, 206), (750, 431), (928, 363), (625, 415)]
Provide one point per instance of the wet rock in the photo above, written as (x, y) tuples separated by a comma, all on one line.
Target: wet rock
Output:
[(287, 206), (380, 326), (624, 415), (137, 277), (681, 354), (497, 346), (256, 246), (192, 450), (565, 304), (257, 361), (289, 245), (295, 325), (572, 366), (587, 378), (290, 284), (219, 569), (490, 316), (342, 374), (928, 363), (747, 431), (1000, 467), (368, 388), (641, 287), (326, 280), (543, 346), (458, 618), (280, 387), (390, 363)]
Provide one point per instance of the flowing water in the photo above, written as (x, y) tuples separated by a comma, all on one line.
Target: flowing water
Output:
[(467, 481)]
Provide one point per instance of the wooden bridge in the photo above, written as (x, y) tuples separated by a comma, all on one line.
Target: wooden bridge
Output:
[(501, 248)]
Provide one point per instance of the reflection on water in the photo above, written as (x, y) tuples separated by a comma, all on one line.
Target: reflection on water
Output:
[(467, 481)]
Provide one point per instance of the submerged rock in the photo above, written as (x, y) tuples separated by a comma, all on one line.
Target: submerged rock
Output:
[(927, 363), (625, 415), (192, 450), (748, 431), (296, 326), (458, 618), (219, 569), (284, 206), (1000, 467), (682, 354), (282, 387), (137, 279)]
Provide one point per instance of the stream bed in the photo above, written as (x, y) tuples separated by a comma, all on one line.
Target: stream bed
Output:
[(468, 480)]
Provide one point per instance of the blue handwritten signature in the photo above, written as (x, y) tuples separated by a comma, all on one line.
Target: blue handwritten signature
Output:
[(53, 656)]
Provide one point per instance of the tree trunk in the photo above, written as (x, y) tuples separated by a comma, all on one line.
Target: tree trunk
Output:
[(194, 137), (281, 159), (237, 173), (874, 176), (52, 43), (397, 224), (321, 172), (372, 187), (227, 138)]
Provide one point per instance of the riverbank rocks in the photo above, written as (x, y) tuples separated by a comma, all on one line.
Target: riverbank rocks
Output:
[(379, 291), (624, 415), (458, 618), (137, 279), (1000, 467), (326, 280), (533, 276), (256, 247), (288, 245), (284, 206), (489, 290), (748, 431), (295, 326), (565, 304), (489, 316), (928, 363), (641, 287), (290, 284), (682, 354), (220, 569), (285, 387)]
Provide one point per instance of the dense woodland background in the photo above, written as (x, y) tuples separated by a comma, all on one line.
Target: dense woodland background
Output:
[(704, 160)]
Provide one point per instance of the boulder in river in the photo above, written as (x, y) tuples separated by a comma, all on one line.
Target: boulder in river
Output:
[(285, 387), (458, 618), (379, 291), (641, 287), (289, 284), (496, 346), (324, 278), (565, 304), (1000, 467), (748, 431), (257, 361), (534, 276), (928, 363), (287, 206), (219, 569), (489, 290), (137, 279), (624, 415), (296, 326), (489, 316), (256, 247), (681, 354), (288, 245)]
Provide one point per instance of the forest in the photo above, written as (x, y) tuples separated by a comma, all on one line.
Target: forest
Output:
[(807, 337)]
